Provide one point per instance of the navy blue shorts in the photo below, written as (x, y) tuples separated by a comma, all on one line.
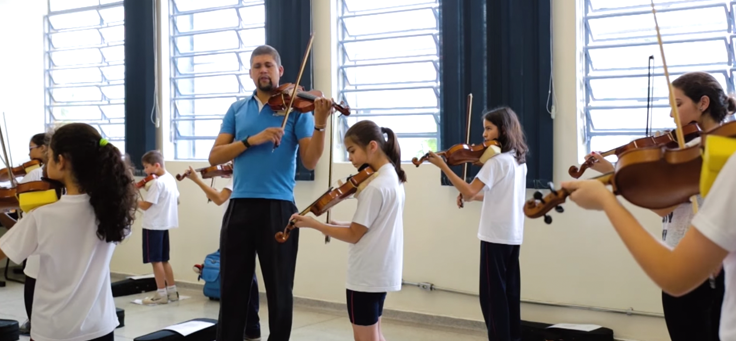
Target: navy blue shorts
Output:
[(155, 246), (364, 308)]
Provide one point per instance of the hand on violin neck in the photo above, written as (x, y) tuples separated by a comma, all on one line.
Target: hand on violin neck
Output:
[(435, 159), (322, 111), (600, 164), (590, 194), (303, 221), (192, 174), (267, 135)]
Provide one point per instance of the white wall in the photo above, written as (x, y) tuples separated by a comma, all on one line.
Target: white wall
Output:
[(21, 74), (578, 260)]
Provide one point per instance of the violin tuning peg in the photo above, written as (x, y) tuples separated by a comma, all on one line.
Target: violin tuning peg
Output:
[(551, 186), (559, 209), (547, 219), (538, 195)]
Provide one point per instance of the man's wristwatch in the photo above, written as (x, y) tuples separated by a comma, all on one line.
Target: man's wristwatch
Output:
[(245, 142), (319, 129)]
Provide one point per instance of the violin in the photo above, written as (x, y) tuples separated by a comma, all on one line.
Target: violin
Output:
[(8, 199), (304, 101), (668, 139), (210, 172), (142, 183), (38, 193), (19, 171), (463, 153), (331, 198), (653, 177)]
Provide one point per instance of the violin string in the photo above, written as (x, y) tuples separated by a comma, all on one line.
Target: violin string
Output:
[(12, 180), (10, 153), (649, 93)]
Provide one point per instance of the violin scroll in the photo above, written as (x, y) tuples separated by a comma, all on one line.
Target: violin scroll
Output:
[(576, 172), (540, 205)]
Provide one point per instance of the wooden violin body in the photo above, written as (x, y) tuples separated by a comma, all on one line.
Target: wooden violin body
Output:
[(653, 177), (458, 154), (142, 183), (8, 199), (19, 171), (668, 139), (332, 197), (210, 172), (304, 101)]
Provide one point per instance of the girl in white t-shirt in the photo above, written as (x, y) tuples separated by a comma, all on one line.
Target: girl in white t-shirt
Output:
[(252, 323), (694, 316), (75, 237), (708, 243), (376, 233), (36, 151), (501, 185)]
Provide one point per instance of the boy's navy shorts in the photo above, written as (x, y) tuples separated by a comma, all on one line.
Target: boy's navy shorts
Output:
[(155, 246)]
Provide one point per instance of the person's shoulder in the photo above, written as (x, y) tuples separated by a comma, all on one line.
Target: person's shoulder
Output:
[(239, 104)]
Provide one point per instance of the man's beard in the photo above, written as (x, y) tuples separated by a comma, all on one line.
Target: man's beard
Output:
[(267, 87)]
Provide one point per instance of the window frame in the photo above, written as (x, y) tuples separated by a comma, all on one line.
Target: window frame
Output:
[(175, 117), (727, 70), (343, 64), (50, 103)]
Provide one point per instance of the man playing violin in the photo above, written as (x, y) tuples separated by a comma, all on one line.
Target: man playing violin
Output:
[(262, 200)]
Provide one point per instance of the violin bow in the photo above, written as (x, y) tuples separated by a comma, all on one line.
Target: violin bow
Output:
[(673, 105), (296, 85), (13, 181), (469, 108), (10, 153), (329, 181)]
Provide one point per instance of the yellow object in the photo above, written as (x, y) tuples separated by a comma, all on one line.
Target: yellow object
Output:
[(29, 169), (717, 151), (490, 152), (30, 200)]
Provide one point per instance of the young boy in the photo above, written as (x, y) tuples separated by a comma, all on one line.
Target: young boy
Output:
[(160, 213), (252, 323)]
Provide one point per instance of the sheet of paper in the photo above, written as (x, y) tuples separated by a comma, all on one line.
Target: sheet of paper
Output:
[(190, 327), (582, 327), (135, 278)]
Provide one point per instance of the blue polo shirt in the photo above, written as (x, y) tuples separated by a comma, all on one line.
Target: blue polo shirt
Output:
[(258, 172)]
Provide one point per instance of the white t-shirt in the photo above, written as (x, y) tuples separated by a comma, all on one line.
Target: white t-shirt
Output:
[(375, 262), (716, 222), (73, 295), (504, 194), (229, 186), (676, 224), (32, 263), (164, 213)]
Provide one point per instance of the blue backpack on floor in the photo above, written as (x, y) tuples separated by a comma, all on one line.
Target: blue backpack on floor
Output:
[(211, 275)]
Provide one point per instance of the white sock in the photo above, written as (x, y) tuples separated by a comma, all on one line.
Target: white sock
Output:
[(162, 292), (171, 289)]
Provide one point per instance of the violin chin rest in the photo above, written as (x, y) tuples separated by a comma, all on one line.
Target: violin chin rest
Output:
[(718, 149), (29, 201), (29, 169), (490, 152)]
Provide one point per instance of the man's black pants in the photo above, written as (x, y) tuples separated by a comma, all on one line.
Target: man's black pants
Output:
[(249, 227)]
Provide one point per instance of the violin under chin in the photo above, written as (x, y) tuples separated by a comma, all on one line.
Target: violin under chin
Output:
[(490, 152), (29, 201)]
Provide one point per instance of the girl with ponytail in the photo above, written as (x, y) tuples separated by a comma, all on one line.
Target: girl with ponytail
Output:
[(501, 186), (75, 237), (376, 232)]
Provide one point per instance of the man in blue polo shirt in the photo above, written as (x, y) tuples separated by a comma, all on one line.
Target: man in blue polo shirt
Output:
[(262, 200)]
